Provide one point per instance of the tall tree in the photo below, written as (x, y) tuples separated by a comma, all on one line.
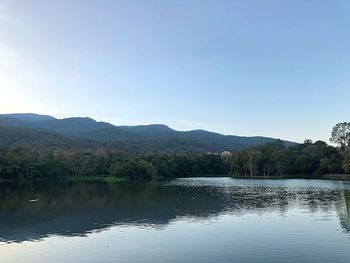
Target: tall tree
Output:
[(341, 135)]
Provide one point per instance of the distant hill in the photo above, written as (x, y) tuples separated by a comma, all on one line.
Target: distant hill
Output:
[(21, 129), (31, 117), (18, 136)]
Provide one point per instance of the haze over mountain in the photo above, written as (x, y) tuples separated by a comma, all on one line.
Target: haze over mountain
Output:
[(43, 130)]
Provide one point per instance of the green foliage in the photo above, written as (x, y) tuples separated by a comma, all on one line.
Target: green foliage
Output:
[(341, 135), (275, 159), (346, 162), (25, 163)]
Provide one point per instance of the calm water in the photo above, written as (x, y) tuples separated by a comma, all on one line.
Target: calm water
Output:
[(186, 220)]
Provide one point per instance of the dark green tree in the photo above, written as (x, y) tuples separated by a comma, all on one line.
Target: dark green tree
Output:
[(341, 135)]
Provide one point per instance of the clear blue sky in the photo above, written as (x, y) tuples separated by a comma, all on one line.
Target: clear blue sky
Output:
[(250, 67)]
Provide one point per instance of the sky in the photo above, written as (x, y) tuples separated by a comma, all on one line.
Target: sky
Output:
[(243, 67)]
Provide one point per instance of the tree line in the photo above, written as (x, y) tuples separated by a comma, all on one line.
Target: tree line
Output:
[(25, 163), (273, 159), (309, 158)]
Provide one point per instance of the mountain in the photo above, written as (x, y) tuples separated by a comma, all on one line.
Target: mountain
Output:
[(86, 132), (18, 136), (31, 117)]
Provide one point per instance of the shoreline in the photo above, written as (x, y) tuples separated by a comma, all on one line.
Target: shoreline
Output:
[(111, 179), (342, 177), (107, 179)]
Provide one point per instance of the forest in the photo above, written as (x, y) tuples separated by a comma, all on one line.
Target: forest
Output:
[(269, 160)]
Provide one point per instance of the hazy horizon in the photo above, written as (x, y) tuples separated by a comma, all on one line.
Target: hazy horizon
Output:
[(247, 68)]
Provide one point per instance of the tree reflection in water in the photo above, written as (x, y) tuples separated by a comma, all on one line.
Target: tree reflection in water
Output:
[(32, 212)]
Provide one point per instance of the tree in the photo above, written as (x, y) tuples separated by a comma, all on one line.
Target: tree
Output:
[(252, 158), (346, 162), (341, 135), (307, 141)]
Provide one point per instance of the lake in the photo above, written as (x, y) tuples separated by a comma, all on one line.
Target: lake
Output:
[(185, 220)]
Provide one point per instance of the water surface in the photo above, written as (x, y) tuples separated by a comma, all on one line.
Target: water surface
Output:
[(185, 220)]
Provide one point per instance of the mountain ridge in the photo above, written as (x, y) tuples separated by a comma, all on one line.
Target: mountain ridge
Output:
[(156, 137)]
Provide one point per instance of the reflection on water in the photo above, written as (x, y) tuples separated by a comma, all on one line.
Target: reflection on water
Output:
[(35, 213)]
